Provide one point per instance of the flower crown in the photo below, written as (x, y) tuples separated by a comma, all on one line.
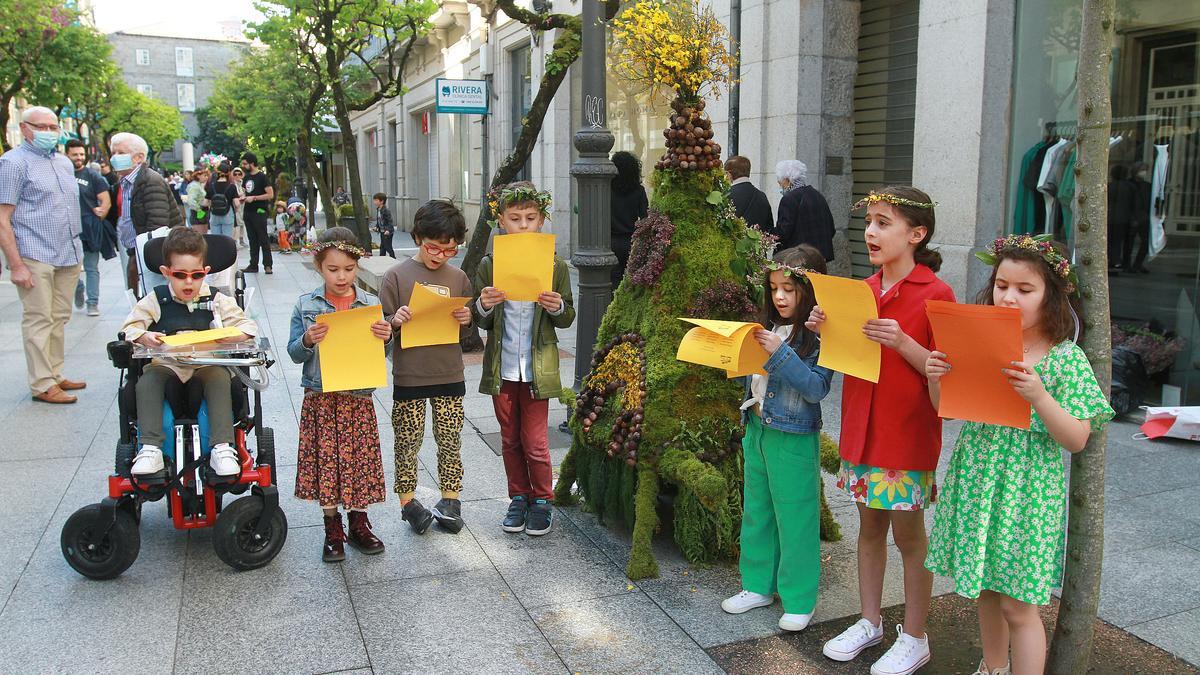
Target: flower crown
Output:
[(1039, 244), (498, 198), (797, 273), (343, 246), (876, 197)]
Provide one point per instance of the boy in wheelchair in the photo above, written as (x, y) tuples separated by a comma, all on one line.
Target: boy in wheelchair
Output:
[(184, 304)]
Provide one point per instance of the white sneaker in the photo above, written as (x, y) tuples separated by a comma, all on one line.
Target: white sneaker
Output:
[(794, 622), (853, 640), (149, 460), (224, 460), (746, 601), (906, 656)]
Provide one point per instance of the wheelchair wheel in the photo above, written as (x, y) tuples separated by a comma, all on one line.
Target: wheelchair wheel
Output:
[(235, 542), (124, 458), (98, 548), (266, 449)]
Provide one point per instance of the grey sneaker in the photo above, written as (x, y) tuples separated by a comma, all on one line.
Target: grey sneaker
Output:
[(93, 310), (540, 518), (448, 514), (79, 295)]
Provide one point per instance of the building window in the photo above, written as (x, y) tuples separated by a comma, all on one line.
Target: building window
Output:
[(521, 98), (183, 62), (145, 89), (186, 93), (143, 57)]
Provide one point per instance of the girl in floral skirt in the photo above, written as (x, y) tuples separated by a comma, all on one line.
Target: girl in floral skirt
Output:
[(339, 462), (999, 527), (891, 436)]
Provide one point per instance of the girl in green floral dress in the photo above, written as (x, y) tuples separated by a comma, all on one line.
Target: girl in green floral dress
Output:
[(1000, 521)]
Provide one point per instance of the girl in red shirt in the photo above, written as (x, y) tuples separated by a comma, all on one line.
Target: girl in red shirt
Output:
[(891, 436)]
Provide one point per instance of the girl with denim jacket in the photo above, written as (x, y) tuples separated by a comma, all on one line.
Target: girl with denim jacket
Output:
[(339, 462), (781, 548)]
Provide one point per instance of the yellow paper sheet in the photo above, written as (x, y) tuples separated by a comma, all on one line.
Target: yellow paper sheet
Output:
[(728, 345), (351, 356), (523, 265), (848, 305), (198, 336), (431, 322)]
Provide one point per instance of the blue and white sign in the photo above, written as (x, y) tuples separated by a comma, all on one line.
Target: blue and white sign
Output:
[(464, 97)]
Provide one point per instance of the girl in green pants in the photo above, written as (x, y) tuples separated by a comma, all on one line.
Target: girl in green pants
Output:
[(781, 548)]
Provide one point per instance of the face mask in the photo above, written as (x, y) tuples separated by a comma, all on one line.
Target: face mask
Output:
[(45, 140), (121, 162)]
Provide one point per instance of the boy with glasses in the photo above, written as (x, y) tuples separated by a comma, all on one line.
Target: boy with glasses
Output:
[(433, 373), (184, 304)]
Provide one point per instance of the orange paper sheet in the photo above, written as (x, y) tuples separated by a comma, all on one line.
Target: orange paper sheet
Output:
[(979, 341), (848, 305), (728, 345), (351, 356), (523, 265), (431, 322)]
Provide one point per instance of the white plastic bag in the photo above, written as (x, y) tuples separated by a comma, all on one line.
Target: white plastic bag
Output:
[(1172, 422)]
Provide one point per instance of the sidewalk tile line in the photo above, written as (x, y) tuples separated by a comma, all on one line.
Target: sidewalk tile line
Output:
[(357, 622)]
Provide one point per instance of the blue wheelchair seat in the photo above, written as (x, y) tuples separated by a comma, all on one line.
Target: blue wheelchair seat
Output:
[(168, 425)]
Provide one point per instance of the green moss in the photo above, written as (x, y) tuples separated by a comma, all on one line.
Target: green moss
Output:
[(642, 564), (830, 530)]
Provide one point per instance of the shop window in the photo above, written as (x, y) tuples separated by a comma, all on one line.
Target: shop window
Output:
[(1154, 171)]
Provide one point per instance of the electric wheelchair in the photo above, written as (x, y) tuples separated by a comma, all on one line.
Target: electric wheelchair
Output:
[(102, 540)]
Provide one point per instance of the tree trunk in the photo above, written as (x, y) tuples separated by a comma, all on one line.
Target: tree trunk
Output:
[(313, 170), (1071, 648), (568, 42), (350, 152), (6, 98)]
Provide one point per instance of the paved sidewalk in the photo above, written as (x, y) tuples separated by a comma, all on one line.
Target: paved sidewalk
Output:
[(479, 601)]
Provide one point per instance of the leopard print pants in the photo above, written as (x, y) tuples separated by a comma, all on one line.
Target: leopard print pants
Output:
[(408, 424)]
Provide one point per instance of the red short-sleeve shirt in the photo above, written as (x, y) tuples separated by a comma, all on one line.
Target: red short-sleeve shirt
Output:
[(893, 424)]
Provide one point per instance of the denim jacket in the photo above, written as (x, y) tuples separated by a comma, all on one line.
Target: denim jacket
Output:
[(795, 387), (308, 308)]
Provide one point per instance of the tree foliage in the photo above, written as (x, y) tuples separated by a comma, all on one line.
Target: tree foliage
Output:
[(74, 65), (215, 135), (357, 49), (122, 108), (28, 27)]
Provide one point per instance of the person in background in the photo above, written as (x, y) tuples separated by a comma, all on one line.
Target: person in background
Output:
[(144, 199), (97, 239), (221, 194), (629, 204), (257, 203), (750, 203), (383, 224), (804, 216), (198, 201), (239, 222)]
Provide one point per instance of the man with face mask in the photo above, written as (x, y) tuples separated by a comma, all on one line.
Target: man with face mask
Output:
[(143, 198), (39, 235)]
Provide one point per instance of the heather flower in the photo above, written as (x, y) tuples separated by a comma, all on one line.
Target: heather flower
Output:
[(651, 246)]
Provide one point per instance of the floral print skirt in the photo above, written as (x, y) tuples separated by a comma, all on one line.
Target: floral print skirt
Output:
[(887, 489), (339, 462)]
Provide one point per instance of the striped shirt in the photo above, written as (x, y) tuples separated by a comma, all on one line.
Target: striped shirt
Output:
[(46, 221), (126, 233)]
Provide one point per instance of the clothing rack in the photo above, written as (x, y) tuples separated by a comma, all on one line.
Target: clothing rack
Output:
[(1069, 127)]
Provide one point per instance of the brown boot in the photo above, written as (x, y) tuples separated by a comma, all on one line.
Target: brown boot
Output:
[(361, 536), (335, 539)]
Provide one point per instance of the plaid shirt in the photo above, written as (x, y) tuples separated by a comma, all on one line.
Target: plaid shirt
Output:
[(42, 187)]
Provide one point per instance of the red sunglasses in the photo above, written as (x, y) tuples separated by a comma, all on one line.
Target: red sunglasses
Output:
[(181, 274)]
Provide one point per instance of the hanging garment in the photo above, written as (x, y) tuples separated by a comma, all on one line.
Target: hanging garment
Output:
[(1030, 181), (1066, 194), (1024, 218), (1048, 185), (1158, 183)]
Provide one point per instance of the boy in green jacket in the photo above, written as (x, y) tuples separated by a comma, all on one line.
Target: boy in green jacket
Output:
[(520, 363)]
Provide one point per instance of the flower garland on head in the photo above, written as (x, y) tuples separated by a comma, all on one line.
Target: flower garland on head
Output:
[(1040, 244), (876, 197), (498, 198), (797, 273), (343, 246), (211, 160)]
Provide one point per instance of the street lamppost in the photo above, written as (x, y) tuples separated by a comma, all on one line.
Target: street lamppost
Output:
[(593, 172)]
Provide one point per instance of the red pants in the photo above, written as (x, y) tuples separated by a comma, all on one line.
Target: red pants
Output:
[(524, 422)]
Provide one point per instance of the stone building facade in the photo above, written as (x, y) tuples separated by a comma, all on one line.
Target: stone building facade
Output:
[(181, 72)]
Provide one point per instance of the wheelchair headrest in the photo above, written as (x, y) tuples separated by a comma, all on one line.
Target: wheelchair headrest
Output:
[(222, 252)]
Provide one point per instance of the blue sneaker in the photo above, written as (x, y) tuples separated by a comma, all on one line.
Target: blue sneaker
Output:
[(514, 520), (541, 516)]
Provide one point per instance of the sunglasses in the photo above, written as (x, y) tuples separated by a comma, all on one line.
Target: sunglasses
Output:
[(183, 274), (446, 253)]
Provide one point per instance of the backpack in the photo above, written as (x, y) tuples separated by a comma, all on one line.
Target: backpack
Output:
[(219, 204)]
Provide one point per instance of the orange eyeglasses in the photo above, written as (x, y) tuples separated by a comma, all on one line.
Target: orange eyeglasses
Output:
[(185, 274), (440, 252)]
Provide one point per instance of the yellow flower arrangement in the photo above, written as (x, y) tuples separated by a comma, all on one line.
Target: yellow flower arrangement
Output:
[(675, 44)]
